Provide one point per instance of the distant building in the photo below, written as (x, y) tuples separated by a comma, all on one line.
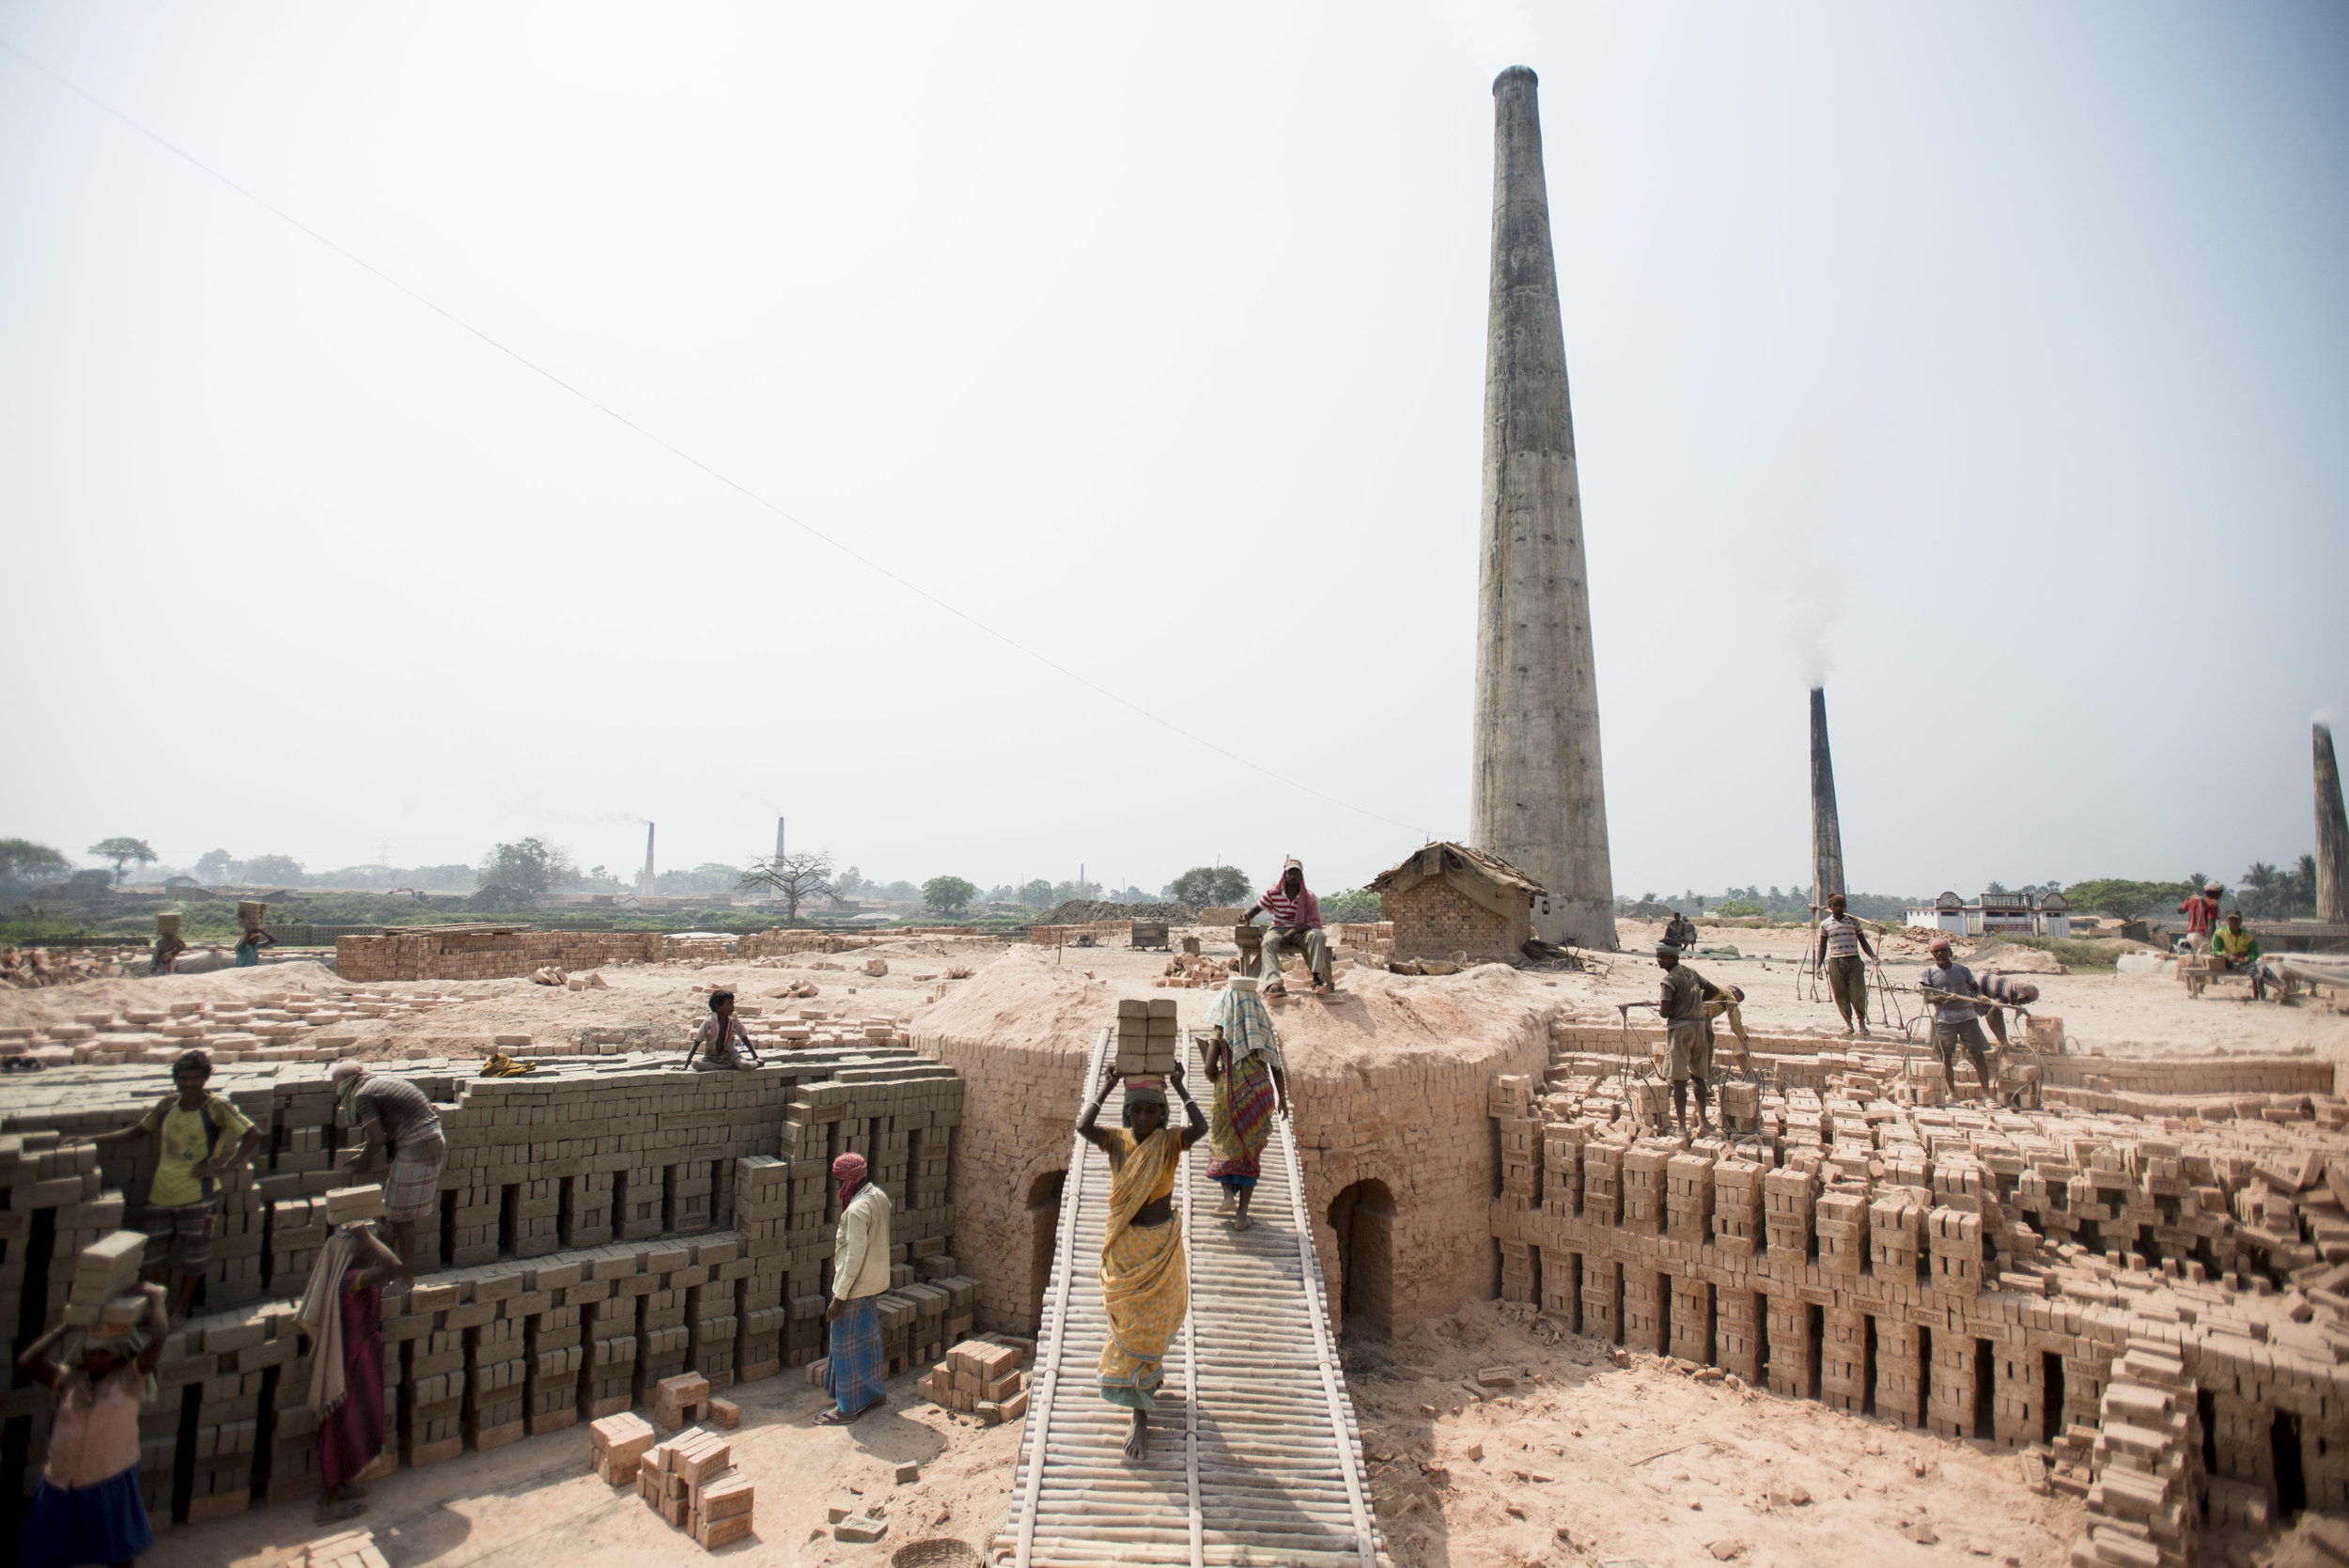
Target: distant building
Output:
[(1448, 898), (1995, 914)]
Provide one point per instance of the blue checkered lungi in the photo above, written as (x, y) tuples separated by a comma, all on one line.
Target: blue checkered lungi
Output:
[(856, 1373)]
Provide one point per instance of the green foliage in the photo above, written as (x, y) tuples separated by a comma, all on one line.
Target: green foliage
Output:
[(23, 861), (1202, 886), (1351, 907), (277, 871), (531, 868), (1739, 909), (2267, 894), (948, 895), (1037, 894), (122, 851), (2127, 900), (2073, 952)]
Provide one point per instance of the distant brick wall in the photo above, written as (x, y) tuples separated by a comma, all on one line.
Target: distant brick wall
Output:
[(1432, 919), (488, 954)]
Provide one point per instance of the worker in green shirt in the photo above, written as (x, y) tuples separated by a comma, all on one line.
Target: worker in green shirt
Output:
[(2240, 950)]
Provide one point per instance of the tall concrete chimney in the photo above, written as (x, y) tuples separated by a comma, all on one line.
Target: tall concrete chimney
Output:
[(1827, 838), (2332, 834), (778, 838), (1536, 798), (643, 885)]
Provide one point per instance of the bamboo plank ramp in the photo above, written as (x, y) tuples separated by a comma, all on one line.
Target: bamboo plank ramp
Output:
[(1255, 1458)]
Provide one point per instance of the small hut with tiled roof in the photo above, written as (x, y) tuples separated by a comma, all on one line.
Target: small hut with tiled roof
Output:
[(1448, 898)]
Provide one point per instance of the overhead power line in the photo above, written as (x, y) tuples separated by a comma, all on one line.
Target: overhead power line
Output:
[(681, 454)]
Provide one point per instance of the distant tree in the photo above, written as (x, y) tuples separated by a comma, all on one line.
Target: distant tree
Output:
[(23, 861), (92, 879), (998, 893), (122, 851), (2127, 900), (792, 879), (1037, 894), (848, 882), (900, 892), (216, 865), (948, 895), (281, 870), (1352, 906), (531, 867)]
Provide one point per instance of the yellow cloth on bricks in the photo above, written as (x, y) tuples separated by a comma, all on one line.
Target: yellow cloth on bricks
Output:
[(1146, 1284)]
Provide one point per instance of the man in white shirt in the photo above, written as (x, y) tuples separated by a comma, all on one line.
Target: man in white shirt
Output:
[(856, 1372)]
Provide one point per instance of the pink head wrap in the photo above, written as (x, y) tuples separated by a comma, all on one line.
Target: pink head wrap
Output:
[(849, 1171)]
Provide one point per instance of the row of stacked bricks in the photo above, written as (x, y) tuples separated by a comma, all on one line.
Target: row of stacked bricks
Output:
[(1975, 1273), (579, 1262), (498, 954), (2209, 1089)]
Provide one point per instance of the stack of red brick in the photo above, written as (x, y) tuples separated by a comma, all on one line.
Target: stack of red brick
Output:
[(979, 1378), (689, 1479)]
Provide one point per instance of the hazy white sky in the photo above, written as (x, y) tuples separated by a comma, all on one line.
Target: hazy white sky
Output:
[(1993, 358)]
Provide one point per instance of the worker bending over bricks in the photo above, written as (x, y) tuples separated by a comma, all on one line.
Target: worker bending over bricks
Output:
[(398, 1114)]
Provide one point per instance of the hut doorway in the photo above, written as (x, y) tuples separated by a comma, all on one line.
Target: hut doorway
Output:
[(1043, 1229), (1364, 1217)]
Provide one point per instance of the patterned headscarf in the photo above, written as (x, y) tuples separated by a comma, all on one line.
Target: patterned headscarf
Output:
[(1135, 1096), (849, 1171)]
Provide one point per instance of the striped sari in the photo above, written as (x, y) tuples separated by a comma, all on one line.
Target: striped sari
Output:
[(1145, 1285), (1242, 1122)]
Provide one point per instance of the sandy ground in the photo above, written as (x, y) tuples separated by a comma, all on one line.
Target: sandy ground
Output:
[(539, 1503), (1580, 1460), (657, 1005)]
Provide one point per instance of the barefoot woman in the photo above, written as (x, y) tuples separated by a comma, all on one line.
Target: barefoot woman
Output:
[(1144, 1284), (1243, 1061)]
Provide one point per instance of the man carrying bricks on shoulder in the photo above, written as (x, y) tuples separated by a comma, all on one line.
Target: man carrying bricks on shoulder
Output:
[(1687, 1050), (856, 1371), (1296, 918), (396, 1113), (183, 1201)]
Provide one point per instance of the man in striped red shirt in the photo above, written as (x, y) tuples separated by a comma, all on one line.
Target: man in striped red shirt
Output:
[(1296, 918)]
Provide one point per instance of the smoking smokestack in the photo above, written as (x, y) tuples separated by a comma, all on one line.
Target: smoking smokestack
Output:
[(1827, 838), (778, 838), (2332, 833), (643, 887)]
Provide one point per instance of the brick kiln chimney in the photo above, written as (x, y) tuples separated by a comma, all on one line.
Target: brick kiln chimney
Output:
[(2332, 834), (1827, 838), (778, 838), (643, 885), (1536, 796)]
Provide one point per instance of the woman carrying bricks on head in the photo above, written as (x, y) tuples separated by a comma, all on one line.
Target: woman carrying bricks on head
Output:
[(87, 1509), (1145, 1285), (342, 1312), (1243, 1062), (856, 1369), (397, 1114), (205, 1137)]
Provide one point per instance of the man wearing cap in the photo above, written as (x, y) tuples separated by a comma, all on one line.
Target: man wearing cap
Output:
[(1296, 918), (1686, 1050), (1957, 1021), (1841, 943), (856, 1367), (2201, 917), (400, 1115)]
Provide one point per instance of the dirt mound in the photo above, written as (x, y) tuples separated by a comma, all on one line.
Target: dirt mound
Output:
[(1083, 912)]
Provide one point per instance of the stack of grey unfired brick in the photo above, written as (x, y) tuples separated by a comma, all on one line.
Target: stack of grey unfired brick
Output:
[(1149, 1045), (578, 1255)]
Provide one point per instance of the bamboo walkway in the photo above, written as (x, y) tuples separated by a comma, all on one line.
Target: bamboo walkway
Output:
[(1254, 1457)]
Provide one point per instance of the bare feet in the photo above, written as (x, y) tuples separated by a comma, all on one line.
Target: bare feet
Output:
[(1241, 1222), (1138, 1441)]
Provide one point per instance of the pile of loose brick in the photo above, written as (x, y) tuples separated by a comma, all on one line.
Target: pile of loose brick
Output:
[(2135, 1292), (296, 1026), (691, 1479), (604, 1225), (980, 1377)]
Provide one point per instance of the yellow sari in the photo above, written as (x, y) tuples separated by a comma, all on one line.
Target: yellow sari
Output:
[(1145, 1283)]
